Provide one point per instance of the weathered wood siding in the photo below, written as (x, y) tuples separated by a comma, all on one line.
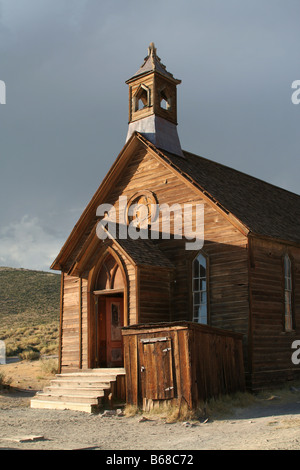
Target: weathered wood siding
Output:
[(271, 345), (83, 334), (154, 294), (70, 324), (74, 334), (217, 365)]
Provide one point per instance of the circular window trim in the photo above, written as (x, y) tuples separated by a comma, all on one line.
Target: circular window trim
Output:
[(143, 193)]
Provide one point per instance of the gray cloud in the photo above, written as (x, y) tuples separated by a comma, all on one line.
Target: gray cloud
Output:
[(26, 243), (65, 120)]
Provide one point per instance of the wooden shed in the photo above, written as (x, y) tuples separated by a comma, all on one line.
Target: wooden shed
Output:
[(243, 282), (181, 362)]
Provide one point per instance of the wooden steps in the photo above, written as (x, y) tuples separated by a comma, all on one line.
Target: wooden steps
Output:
[(81, 391)]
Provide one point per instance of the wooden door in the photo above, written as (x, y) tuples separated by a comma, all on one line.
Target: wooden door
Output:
[(114, 323), (156, 365)]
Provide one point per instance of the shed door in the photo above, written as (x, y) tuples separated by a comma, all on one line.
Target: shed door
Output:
[(156, 368)]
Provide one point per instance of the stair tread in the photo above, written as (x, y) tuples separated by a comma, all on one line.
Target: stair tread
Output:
[(75, 393), (88, 378), (36, 399), (68, 399), (68, 389), (55, 405), (77, 381), (85, 379), (93, 372)]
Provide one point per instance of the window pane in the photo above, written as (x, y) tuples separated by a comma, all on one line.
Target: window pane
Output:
[(116, 334), (203, 314), (196, 285), (201, 260), (197, 299), (196, 314), (288, 311), (196, 268), (202, 271), (288, 303), (202, 284), (287, 266)]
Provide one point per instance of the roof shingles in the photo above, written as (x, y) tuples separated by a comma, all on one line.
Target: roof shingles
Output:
[(263, 208)]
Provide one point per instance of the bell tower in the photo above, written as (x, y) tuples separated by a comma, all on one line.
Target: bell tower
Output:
[(153, 104)]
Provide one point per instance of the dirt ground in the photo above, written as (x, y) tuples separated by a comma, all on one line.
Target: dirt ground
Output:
[(267, 424)]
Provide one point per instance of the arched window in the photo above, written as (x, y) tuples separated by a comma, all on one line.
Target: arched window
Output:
[(110, 276), (199, 288), (288, 315)]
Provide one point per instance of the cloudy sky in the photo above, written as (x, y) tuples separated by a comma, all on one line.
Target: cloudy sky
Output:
[(64, 64)]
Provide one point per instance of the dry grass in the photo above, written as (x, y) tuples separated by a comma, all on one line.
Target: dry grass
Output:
[(49, 366), (131, 410), (181, 413), (225, 405), (4, 381), (28, 297), (213, 408), (29, 312), (218, 408), (30, 341)]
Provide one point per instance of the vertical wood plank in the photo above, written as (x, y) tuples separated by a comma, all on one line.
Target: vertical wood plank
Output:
[(60, 321), (80, 323)]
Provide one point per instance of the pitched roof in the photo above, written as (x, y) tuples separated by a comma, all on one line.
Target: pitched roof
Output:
[(144, 253), (263, 208)]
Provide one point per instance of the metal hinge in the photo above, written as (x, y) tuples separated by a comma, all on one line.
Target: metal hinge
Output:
[(153, 340), (167, 349), (169, 388)]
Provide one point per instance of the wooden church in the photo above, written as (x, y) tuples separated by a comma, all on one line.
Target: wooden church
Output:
[(167, 323)]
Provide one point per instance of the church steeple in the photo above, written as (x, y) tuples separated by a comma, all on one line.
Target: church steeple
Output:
[(153, 103)]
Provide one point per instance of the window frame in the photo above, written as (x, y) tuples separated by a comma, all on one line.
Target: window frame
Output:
[(192, 291)]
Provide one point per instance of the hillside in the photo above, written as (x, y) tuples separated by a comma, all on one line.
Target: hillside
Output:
[(29, 310)]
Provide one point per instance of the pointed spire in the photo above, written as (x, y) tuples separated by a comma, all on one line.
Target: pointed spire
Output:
[(152, 63), (152, 49)]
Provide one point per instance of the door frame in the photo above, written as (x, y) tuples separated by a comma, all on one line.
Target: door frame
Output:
[(101, 326), (110, 342), (92, 297)]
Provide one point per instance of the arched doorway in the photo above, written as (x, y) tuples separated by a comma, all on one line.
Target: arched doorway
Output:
[(108, 292)]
